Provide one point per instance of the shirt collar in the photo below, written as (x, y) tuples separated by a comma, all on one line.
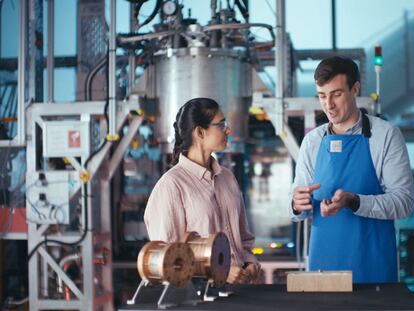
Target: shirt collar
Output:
[(354, 129), (198, 170)]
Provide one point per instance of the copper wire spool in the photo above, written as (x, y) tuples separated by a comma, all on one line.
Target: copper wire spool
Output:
[(159, 262), (212, 256)]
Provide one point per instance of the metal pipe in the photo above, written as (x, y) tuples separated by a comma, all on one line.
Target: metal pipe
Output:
[(206, 28), (112, 68), (239, 26), (280, 65), (145, 37), (45, 278), (377, 88), (1, 18), (63, 263), (131, 72), (333, 11), (213, 6), (131, 56), (35, 51), (50, 49), (21, 74), (407, 50)]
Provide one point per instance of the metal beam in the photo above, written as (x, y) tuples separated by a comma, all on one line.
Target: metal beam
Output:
[(278, 112), (68, 109), (318, 54), (122, 146), (21, 74), (11, 64), (35, 50), (50, 49), (112, 68), (59, 271)]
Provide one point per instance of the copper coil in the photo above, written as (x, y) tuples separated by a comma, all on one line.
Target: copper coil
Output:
[(212, 256), (160, 262)]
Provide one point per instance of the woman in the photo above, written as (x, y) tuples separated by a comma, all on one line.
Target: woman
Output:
[(197, 194)]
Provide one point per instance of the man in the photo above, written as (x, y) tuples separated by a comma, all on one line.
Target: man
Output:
[(353, 175)]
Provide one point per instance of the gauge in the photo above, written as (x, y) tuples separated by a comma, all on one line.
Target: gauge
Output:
[(169, 7)]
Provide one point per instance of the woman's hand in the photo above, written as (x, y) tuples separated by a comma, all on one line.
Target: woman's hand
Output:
[(238, 275), (256, 273), (252, 274)]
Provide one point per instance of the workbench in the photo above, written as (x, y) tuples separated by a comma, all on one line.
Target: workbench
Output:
[(275, 297)]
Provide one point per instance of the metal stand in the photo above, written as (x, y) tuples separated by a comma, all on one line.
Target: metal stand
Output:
[(94, 289), (211, 293), (170, 296), (141, 285)]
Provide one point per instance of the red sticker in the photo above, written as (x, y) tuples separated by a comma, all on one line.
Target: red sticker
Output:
[(74, 140)]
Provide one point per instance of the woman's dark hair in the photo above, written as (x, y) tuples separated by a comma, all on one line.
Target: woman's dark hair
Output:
[(332, 66), (195, 112)]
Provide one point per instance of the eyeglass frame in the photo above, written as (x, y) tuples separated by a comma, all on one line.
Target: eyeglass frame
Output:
[(222, 125)]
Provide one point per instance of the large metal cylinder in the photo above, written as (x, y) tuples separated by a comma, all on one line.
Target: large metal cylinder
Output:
[(221, 74), (159, 262), (212, 256)]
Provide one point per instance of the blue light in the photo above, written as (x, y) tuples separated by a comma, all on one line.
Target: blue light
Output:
[(378, 60), (290, 245)]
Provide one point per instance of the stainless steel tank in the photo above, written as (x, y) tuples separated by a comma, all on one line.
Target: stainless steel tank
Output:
[(181, 74)]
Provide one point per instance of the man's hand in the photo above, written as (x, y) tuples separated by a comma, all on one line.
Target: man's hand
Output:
[(238, 275), (302, 198), (339, 200)]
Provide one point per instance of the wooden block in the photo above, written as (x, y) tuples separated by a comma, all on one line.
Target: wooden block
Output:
[(324, 281)]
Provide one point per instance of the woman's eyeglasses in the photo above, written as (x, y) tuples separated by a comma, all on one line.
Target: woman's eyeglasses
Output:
[(222, 125)]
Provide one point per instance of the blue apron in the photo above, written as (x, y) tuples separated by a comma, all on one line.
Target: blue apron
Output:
[(346, 241)]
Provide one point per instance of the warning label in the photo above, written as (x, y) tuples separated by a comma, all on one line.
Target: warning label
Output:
[(74, 139)]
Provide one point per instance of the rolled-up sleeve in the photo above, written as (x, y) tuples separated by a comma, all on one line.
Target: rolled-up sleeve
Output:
[(247, 238), (396, 180), (304, 173), (164, 215)]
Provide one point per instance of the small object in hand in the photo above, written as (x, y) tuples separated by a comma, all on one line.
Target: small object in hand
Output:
[(329, 201)]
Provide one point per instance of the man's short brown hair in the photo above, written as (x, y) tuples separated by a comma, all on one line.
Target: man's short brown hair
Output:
[(333, 66)]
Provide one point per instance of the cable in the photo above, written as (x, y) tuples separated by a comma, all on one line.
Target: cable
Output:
[(11, 302), (137, 9), (243, 10), (153, 14), (34, 206), (105, 114), (77, 242), (91, 75)]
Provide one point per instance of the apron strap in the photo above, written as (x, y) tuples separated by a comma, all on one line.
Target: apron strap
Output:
[(366, 127)]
